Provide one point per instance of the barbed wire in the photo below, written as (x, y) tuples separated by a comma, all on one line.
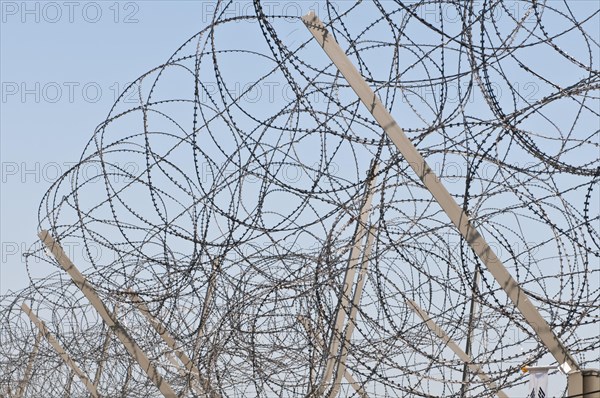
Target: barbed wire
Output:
[(255, 160)]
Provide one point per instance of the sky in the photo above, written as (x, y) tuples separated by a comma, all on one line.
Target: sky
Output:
[(62, 67)]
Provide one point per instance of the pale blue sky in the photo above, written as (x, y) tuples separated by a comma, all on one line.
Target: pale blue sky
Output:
[(75, 69)]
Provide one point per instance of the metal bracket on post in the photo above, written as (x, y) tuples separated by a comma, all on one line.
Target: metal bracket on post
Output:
[(130, 345), (60, 350), (455, 348), (439, 192)]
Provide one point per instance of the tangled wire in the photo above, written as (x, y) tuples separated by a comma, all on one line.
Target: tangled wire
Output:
[(228, 186)]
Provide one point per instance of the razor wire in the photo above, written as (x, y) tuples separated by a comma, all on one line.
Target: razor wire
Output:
[(252, 160)]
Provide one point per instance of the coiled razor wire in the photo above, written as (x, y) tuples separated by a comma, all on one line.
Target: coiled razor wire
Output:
[(225, 187)]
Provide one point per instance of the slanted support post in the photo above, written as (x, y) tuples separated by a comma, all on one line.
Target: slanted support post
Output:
[(470, 327), (441, 334), (351, 324), (171, 343), (102, 358), (336, 335), (184, 373), (439, 192), (60, 350), (25, 382), (130, 345), (347, 375)]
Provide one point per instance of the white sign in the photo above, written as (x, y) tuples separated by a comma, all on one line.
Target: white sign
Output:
[(538, 383)]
